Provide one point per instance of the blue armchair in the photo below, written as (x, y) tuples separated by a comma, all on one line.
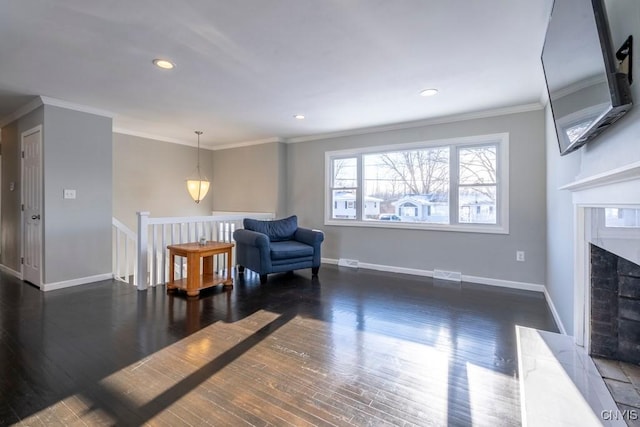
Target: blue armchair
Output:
[(277, 246)]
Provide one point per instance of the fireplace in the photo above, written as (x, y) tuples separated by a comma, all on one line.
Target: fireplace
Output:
[(607, 289), (615, 306), (598, 201), (559, 381)]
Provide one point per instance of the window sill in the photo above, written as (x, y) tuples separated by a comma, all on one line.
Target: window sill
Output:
[(460, 228)]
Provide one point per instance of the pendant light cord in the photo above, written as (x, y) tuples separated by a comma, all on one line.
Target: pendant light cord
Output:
[(198, 132)]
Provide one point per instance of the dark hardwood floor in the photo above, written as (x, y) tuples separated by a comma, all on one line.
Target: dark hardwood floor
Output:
[(353, 347)]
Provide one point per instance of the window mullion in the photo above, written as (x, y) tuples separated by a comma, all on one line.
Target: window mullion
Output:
[(359, 188), (498, 184), (454, 173)]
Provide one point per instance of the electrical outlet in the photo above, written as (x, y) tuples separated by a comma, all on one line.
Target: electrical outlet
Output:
[(69, 194), (520, 256)]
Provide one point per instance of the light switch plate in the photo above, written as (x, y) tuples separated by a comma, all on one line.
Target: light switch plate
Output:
[(69, 194)]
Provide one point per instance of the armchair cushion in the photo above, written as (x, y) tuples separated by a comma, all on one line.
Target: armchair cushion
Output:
[(277, 230), (290, 249)]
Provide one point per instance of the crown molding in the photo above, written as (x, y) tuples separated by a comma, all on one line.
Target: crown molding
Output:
[(246, 143), (22, 111), (39, 101), (76, 107), (147, 135), (203, 146), (420, 123), (44, 100)]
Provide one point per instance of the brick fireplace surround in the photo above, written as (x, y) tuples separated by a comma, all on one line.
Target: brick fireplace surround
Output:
[(615, 307)]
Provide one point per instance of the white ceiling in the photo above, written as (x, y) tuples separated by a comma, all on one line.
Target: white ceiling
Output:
[(245, 67)]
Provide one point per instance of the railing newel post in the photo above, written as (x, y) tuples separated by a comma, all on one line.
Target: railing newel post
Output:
[(142, 250)]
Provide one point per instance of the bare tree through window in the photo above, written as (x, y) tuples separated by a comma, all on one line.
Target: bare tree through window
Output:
[(455, 183)]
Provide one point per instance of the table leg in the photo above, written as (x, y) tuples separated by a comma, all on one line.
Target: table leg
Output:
[(228, 284), (172, 262), (193, 275), (207, 265)]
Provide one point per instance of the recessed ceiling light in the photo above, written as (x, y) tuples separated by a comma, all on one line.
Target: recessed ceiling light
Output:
[(164, 64), (299, 116), (429, 92)]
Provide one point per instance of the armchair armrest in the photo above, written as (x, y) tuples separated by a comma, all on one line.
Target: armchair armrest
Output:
[(308, 236), (251, 238)]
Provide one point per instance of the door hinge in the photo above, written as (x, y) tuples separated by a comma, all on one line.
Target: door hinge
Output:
[(22, 260), (23, 154), (22, 207)]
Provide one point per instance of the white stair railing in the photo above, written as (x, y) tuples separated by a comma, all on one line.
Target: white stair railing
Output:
[(124, 252), (155, 234)]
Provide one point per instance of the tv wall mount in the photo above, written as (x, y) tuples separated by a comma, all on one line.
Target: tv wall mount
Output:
[(625, 57)]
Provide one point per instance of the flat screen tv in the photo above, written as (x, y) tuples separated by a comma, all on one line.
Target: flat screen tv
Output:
[(586, 92)]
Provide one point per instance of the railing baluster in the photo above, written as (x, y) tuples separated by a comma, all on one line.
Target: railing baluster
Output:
[(154, 258), (164, 253)]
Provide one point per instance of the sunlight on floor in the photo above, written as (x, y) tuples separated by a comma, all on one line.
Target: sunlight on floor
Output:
[(418, 371), (145, 380), (262, 366), (484, 392), (72, 410)]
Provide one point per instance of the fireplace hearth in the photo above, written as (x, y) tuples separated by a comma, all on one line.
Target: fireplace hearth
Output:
[(615, 307)]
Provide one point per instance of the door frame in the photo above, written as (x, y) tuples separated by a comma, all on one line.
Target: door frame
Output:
[(23, 135)]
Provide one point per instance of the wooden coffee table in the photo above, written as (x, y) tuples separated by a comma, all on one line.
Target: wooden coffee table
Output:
[(196, 281)]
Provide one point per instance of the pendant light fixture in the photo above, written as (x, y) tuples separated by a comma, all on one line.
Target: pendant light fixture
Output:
[(198, 185)]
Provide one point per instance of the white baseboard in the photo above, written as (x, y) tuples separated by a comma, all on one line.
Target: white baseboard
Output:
[(75, 282), (11, 271), (465, 278), (512, 284), (554, 312)]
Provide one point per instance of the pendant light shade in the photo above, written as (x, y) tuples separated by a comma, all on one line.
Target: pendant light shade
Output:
[(198, 184), (198, 189)]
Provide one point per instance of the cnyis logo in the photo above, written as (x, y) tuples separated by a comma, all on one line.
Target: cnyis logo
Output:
[(615, 415)]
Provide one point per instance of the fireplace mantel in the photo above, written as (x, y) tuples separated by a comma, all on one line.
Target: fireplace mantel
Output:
[(619, 188)]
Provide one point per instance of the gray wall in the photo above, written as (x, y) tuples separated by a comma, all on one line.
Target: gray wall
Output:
[(561, 170), (150, 175), (251, 179), (11, 200), (77, 233), (76, 155), (616, 147), (484, 255)]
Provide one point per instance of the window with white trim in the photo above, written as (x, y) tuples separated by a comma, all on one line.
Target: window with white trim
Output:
[(456, 184)]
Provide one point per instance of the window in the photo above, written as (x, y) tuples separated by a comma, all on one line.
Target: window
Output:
[(458, 184), (343, 187), (622, 218), (477, 184)]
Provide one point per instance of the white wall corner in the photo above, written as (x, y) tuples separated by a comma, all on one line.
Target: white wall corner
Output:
[(554, 312)]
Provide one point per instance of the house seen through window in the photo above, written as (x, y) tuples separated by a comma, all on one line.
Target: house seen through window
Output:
[(454, 182)]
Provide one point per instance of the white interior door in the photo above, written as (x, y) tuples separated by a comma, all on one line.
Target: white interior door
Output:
[(32, 201)]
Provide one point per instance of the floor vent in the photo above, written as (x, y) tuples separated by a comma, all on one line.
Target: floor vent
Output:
[(352, 263), (455, 276)]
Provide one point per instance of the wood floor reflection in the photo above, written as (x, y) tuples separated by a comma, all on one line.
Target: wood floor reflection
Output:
[(354, 347)]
